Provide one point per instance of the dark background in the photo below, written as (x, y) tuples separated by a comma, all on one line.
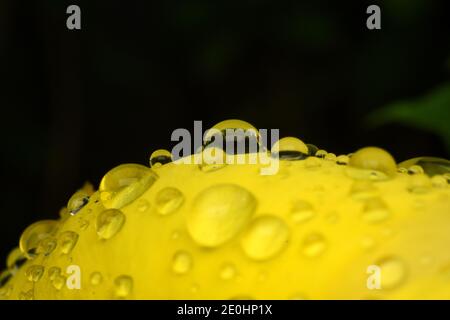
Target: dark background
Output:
[(76, 103)]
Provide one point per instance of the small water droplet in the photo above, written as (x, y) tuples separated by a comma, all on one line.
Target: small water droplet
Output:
[(375, 211), (313, 245), (415, 169), (302, 211), (78, 200), (34, 273), (58, 281), (330, 157), (124, 184), (168, 200), (439, 181), (84, 224), (267, 236), (96, 278), (142, 205), (159, 158), (53, 272), (35, 233), (46, 246), (182, 262), (213, 159), (312, 163), (67, 241), (373, 158), (393, 272), (312, 149), (228, 271), (123, 286), (419, 183), (321, 153), (290, 148), (109, 223), (342, 160), (219, 213)]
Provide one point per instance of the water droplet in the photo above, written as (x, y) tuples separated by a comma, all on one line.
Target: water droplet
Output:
[(330, 157), (312, 149), (125, 183), (219, 213), (53, 272), (393, 272), (373, 158), (84, 224), (46, 246), (267, 236), (78, 200), (402, 170), (168, 200), (213, 159), (228, 271), (302, 211), (290, 148), (439, 181), (160, 157), (313, 245), (342, 159), (96, 278), (182, 262), (34, 273), (123, 286), (375, 211), (321, 153), (67, 241), (419, 183), (429, 165), (142, 205), (35, 233), (415, 169), (15, 259), (26, 295), (59, 281), (109, 223)]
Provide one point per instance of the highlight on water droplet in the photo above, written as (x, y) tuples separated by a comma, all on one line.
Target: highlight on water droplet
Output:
[(181, 262), (218, 213), (34, 273), (266, 237), (375, 211), (109, 223), (313, 245), (290, 148), (123, 286), (393, 272), (168, 200), (302, 211), (125, 183), (160, 157), (67, 241), (34, 234)]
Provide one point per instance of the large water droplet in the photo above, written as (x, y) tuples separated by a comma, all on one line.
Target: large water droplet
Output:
[(34, 273), (182, 262), (219, 213), (35, 233), (168, 200), (302, 211), (78, 200), (125, 183), (313, 245), (109, 223), (96, 278), (123, 286), (290, 148), (393, 272), (373, 158), (160, 157), (267, 236), (67, 241), (375, 211)]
